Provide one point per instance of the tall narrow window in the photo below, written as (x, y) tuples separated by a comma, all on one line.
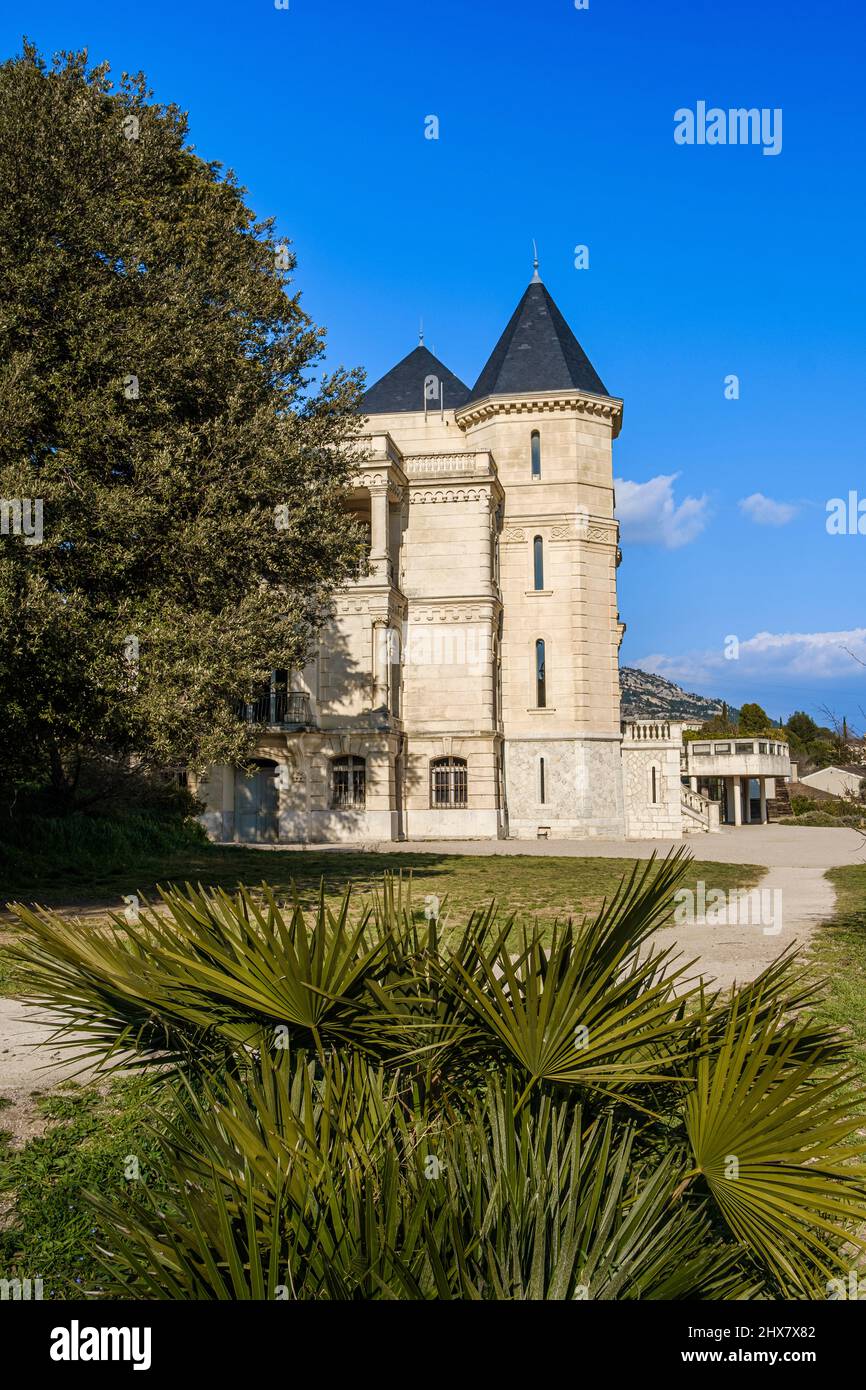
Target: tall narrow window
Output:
[(538, 562), (654, 787), (540, 676), (535, 452), (541, 793)]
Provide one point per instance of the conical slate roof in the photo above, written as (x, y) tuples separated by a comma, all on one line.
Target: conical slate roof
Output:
[(537, 352), (403, 387)]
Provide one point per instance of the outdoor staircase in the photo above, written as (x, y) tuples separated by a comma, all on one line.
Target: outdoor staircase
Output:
[(780, 804), (700, 815)]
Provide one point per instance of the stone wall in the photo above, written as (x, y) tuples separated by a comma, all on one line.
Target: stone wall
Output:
[(645, 819), (582, 788)]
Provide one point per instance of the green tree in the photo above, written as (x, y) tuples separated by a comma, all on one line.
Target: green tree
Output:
[(753, 720), (801, 726), (158, 398)]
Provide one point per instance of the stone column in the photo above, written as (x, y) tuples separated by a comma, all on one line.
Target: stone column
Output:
[(735, 799), (380, 663), (379, 529), (762, 783)]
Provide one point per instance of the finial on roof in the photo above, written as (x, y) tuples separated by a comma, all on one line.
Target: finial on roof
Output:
[(420, 332), (535, 274)]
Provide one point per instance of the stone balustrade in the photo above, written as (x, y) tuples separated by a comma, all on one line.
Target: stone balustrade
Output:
[(646, 731)]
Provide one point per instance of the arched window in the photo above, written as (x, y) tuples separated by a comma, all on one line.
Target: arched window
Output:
[(540, 676), (538, 562), (542, 797), (349, 782), (654, 787), (535, 453), (448, 782)]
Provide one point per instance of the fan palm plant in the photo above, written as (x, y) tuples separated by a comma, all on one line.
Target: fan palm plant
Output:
[(367, 1106)]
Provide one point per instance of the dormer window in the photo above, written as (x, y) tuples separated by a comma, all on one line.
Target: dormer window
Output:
[(535, 453)]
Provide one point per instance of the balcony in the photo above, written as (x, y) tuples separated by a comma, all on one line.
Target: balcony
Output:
[(278, 709), (744, 757)]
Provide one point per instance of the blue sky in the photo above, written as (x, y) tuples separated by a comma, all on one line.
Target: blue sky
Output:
[(705, 261)]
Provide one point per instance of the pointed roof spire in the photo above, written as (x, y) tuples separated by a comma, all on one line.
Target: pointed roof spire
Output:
[(537, 352), (536, 278), (420, 332), (404, 387)]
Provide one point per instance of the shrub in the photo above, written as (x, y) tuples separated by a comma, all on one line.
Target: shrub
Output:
[(378, 1108), (36, 849), (827, 819)]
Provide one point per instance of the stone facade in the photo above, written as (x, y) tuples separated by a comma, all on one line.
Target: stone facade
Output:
[(652, 785), (468, 686)]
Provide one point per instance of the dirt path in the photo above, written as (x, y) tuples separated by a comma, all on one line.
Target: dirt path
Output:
[(746, 935), (31, 1065)]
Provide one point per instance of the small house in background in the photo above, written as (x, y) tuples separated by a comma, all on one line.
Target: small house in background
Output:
[(848, 780)]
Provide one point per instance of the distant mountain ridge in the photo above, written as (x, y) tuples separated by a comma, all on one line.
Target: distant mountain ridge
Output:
[(645, 696)]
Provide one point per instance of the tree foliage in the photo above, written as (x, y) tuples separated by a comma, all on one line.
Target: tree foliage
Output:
[(753, 719), (158, 396)]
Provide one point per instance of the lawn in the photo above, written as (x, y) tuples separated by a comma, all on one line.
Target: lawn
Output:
[(548, 887), (91, 1134), (838, 952), (528, 885)]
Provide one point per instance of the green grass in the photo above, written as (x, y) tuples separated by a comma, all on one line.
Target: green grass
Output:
[(528, 885), (47, 1228), (8, 972), (65, 855), (838, 954)]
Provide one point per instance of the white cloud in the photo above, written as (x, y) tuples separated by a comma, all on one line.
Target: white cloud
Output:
[(812, 656), (764, 511), (649, 514)]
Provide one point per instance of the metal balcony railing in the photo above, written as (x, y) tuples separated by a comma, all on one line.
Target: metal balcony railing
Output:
[(284, 708)]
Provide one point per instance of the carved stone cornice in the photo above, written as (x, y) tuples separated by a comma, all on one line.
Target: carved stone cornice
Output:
[(450, 616), (450, 494), (597, 530), (384, 607), (607, 408), (381, 482), (482, 609)]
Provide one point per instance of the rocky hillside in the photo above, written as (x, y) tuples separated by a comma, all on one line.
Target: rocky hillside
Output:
[(645, 696)]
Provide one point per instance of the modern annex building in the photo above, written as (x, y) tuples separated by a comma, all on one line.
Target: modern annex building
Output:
[(468, 686)]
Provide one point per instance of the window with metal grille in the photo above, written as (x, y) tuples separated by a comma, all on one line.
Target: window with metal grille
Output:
[(448, 782), (349, 781)]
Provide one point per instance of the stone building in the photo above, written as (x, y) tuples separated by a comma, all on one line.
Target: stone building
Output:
[(468, 686)]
